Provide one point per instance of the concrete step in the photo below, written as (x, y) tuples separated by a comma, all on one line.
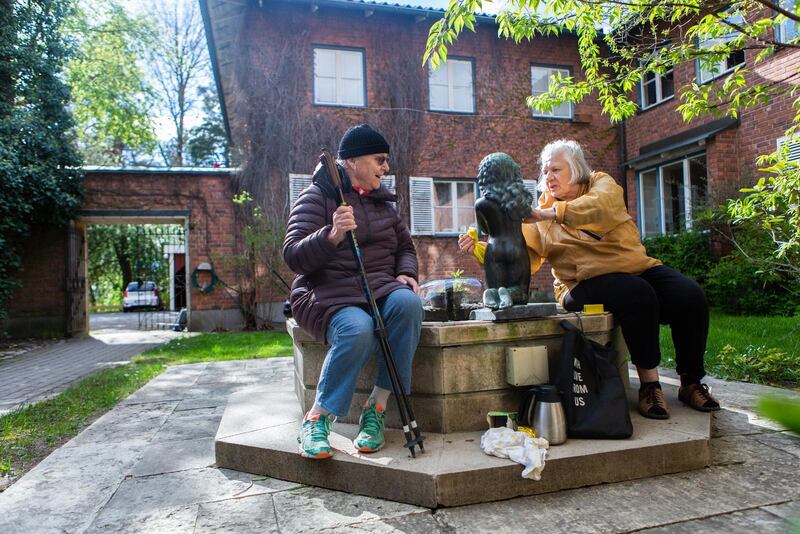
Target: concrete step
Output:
[(258, 434)]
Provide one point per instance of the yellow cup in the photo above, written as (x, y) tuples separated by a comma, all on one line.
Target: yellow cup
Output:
[(593, 309)]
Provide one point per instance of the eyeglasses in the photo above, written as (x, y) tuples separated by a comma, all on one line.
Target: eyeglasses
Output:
[(380, 160)]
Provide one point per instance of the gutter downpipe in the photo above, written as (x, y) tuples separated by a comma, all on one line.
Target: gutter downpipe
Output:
[(622, 158)]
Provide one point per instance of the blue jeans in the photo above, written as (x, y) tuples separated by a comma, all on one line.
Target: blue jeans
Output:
[(351, 333)]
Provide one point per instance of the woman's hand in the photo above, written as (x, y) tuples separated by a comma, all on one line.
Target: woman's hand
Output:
[(538, 214), (343, 222), (466, 244), (410, 282)]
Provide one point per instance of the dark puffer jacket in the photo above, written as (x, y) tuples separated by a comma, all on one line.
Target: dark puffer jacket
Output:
[(328, 279)]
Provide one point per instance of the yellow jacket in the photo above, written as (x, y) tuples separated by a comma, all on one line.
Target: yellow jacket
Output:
[(592, 235)]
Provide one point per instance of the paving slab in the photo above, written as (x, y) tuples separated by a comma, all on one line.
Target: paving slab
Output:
[(312, 509), (416, 522), (786, 441), (195, 403), (258, 434), (169, 490), (188, 425), (745, 522), (180, 519), (247, 514), (174, 456), (126, 425)]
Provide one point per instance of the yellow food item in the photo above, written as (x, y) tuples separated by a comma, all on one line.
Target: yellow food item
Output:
[(526, 430)]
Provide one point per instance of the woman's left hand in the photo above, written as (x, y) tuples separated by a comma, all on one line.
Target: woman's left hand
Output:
[(410, 282), (538, 214)]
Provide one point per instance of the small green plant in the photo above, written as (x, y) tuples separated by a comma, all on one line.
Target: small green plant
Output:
[(458, 281), (757, 364)]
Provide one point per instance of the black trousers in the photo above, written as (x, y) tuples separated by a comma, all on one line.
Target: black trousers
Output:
[(660, 295)]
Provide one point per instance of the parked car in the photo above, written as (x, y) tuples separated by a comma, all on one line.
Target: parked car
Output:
[(141, 295)]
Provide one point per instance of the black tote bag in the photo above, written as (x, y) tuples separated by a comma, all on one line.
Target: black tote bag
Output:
[(591, 389)]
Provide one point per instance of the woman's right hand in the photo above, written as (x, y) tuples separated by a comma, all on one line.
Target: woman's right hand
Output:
[(343, 222), (466, 244)]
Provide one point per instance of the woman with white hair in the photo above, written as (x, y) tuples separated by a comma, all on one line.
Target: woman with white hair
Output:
[(581, 226)]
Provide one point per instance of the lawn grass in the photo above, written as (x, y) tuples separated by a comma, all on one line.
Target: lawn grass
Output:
[(764, 350), (29, 434)]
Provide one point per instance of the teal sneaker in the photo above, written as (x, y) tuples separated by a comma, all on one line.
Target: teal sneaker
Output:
[(314, 438), (370, 426)]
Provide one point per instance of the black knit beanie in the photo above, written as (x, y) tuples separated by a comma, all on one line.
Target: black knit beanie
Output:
[(362, 140)]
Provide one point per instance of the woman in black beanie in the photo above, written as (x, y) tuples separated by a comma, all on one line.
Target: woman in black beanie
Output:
[(327, 300)]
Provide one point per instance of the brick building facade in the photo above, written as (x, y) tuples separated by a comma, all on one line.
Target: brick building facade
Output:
[(450, 135), (674, 167)]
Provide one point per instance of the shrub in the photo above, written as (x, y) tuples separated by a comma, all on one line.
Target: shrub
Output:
[(756, 364), (736, 287), (686, 252)]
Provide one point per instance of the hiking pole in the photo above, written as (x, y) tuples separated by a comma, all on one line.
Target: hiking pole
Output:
[(412, 432)]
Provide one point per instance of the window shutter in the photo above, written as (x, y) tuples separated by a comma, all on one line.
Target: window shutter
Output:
[(530, 185), (421, 205), (297, 183), (793, 147), (388, 181)]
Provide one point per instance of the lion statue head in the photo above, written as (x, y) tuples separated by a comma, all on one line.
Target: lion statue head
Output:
[(500, 179)]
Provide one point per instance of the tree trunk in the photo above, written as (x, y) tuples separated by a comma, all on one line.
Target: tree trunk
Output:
[(124, 260)]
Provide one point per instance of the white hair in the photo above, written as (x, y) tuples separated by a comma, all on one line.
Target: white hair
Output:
[(579, 170)]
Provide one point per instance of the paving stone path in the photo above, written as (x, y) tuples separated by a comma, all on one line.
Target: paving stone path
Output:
[(148, 466), (41, 373)]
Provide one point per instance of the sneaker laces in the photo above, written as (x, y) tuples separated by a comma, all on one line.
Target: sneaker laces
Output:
[(705, 394), (319, 428), (652, 397), (372, 421)]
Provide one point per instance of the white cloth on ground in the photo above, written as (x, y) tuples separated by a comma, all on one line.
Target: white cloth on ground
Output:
[(517, 446)]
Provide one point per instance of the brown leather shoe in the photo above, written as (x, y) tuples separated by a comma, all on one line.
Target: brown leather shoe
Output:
[(652, 403), (698, 397)]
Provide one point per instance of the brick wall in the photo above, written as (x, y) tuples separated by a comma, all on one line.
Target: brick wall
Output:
[(39, 304)]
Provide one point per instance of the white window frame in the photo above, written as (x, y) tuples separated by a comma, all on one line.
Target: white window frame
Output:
[(338, 77), (658, 81), (687, 194), (553, 69), (447, 67), (422, 209), (783, 34), (794, 147), (706, 75)]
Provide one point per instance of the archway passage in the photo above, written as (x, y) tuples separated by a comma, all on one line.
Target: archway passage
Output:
[(54, 296), (139, 270)]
